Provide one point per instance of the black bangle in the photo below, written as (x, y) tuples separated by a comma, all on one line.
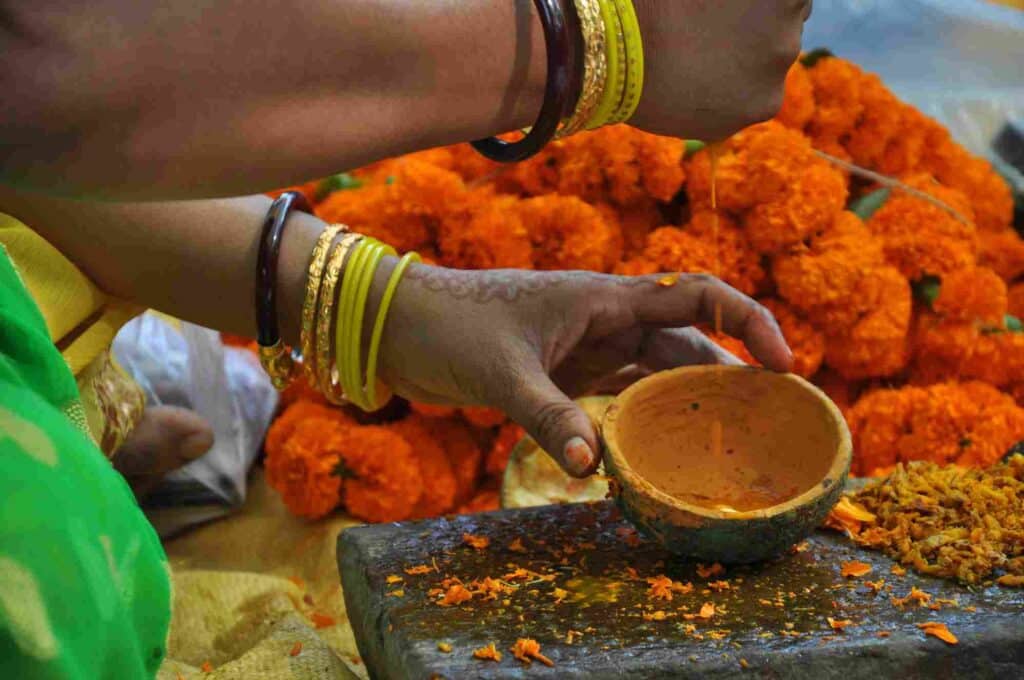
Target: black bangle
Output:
[(557, 91), (273, 354)]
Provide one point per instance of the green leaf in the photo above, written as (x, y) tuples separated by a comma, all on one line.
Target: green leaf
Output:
[(390, 180), (965, 442), (340, 182), (866, 206), (344, 471), (693, 146), (927, 288), (1013, 324), (814, 56)]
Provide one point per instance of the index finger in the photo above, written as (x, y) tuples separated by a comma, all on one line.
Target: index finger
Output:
[(694, 298)]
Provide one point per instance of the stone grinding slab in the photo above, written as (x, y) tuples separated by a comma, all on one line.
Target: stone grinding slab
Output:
[(774, 623)]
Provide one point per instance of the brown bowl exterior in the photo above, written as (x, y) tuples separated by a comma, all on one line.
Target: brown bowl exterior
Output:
[(709, 535)]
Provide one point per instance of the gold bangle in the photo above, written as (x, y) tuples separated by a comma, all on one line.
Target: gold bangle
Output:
[(595, 67), (277, 361), (327, 377), (317, 262)]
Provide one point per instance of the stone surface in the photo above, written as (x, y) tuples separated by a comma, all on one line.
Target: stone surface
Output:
[(589, 548)]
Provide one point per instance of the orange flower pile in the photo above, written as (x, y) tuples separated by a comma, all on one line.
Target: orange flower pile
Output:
[(907, 317)]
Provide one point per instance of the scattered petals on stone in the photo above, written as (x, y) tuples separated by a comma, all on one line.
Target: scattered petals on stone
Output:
[(705, 571), (476, 542), (527, 650), (855, 569), (488, 653), (444, 647), (939, 630), (419, 570), (839, 625)]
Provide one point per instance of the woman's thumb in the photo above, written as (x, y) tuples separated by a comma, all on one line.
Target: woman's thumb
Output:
[(557, 423)]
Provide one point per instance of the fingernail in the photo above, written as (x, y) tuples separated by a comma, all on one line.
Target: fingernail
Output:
[(578, 456)]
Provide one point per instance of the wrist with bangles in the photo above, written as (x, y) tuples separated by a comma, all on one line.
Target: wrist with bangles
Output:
[(335, 309), (595, 54)]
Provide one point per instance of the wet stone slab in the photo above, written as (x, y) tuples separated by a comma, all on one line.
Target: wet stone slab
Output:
[(771, 620)]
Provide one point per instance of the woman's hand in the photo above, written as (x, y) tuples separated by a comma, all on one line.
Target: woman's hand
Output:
[(713, 68), (524, 341)]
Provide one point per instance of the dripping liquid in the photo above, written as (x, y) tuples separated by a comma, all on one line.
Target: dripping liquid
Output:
[(716, 425)]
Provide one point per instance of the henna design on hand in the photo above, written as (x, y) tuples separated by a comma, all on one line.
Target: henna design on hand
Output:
[(508, 285)]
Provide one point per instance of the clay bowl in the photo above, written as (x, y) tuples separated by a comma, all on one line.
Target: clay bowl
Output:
[(739, 491)]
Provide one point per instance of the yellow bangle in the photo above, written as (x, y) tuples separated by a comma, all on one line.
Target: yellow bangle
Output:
[(595, 65), (615, 60), (634, 62), (317, 262), (378, 331), (348, 288), (326, 377), (349, 339)]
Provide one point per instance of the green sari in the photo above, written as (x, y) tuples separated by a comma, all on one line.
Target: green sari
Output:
[(84, 583)]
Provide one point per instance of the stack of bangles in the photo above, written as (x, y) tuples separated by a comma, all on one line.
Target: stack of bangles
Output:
[(341, 272), (594, 50)]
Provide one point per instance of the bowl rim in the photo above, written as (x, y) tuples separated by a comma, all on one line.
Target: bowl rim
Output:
[(628, 478)]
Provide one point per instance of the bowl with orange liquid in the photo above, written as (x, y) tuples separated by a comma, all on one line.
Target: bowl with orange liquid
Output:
[(728, 464)]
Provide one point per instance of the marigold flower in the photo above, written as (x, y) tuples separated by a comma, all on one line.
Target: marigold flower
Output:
[(920, 238), (798, 103), (439, 485), (482, 417), (876, 344), (837, 96), (302, 468), (968, 423), (404, 213), (570, 234), (1003, 251), (487, 233), (975, 294), (500, 452), (878, 124), (463, 452)]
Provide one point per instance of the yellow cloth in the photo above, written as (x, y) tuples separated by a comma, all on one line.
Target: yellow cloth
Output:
[(245, 590), (82, 322)]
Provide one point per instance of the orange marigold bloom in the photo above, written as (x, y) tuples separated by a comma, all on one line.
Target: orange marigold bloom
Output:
[(1003, 251), (920, 238), (905, 151), (876, 344), (692, 249), (956, 167), (617, 164), (732, 345), (501, 450), (570, 234), (1015, 300), (486, 500), (877, 126), (837, 96), (439, 485), (463, 451), (798, 104), (404, 213), (974, 294), (805, 341), (811, 204), (293, 415), (302, 468), (433, 411), (968, 423), (381, 472), (635, 223), (487, 234), (826, 279), (482, 417)]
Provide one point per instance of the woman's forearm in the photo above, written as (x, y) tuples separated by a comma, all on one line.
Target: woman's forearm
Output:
[(307, 88), (195, 260)]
